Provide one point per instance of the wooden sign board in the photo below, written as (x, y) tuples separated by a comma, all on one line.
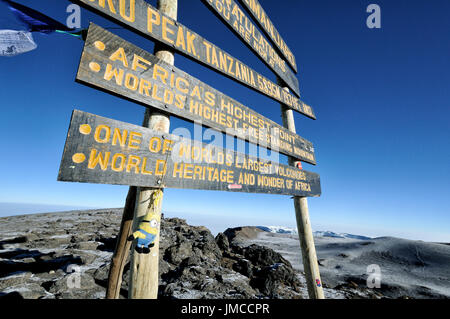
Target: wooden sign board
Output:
[(141, 17), (260, 16), (118, 67), (105, 151), (240, 24)]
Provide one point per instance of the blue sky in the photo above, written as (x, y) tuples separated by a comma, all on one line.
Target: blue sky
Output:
[(381, 98)]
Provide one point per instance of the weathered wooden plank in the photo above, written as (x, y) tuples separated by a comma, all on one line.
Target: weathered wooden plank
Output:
[(255, 9), (123, 69), (105, 151), (240, 24), (144, 19)]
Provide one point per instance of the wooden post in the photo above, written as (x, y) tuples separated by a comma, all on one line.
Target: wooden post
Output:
[(309, 256), (122, 249), (144, 270)]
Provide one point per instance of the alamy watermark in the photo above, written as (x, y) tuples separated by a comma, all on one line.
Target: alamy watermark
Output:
[(74, 18), (374, 19), (74, 279), (374, 276), (210, 144)]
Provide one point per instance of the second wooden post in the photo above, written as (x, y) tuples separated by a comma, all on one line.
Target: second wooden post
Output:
[(309, 256)]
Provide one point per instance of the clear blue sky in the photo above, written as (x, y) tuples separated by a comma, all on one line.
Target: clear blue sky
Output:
[(381, 98)]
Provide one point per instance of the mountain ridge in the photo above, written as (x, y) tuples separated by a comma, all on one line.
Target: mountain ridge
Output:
[(288, 230)]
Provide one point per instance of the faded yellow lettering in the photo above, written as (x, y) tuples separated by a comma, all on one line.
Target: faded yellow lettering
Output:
[(119, 137), (136, 64), (133, 163), (99, 159), (153, 18), (121, 56), (131, 17), (114, 166), (116, 73), (134, 139), (98, 132), (166, 29)]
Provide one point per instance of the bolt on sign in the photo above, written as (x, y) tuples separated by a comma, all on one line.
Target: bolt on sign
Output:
[(141, 17), (256, 10), (118, 67), (241, 25), (105, 151)]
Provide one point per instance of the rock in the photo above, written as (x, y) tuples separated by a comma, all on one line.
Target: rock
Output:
[(76, 286), (164, 267), (222, 242), (107, 243), (353, 284), (263, 256), (28, 260), (170, 289), (28, 290), (88, 245), (239, 235), (178, 253), (271, 279), (15, 280), (244, 267), (11, 296), (102, 273), (32, 237), (87, 257)]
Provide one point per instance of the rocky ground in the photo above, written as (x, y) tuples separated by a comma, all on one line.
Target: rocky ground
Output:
[(67, 255)]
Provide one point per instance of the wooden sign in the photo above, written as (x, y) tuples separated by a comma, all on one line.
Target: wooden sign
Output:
[(141, 17), (260, 16), (121, 68), (105, 151), (238, 22)]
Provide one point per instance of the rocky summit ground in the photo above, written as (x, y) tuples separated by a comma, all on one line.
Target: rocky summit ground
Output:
[(67, 255), (46, 255)]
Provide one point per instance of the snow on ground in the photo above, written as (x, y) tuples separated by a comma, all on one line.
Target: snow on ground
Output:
[(416, 266)]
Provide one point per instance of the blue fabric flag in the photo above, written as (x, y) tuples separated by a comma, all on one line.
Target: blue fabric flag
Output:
[(36, 21)]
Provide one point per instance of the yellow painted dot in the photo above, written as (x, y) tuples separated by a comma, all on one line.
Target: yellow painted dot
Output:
[(85, 129), (94, 66), (99, 45), (78, 158)]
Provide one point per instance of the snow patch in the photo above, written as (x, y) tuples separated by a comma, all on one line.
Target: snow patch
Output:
[(293, 231)]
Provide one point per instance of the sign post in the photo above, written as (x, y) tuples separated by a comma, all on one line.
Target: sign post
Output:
[(144, 269), (309, 256), (144, 275), (149, 159)]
